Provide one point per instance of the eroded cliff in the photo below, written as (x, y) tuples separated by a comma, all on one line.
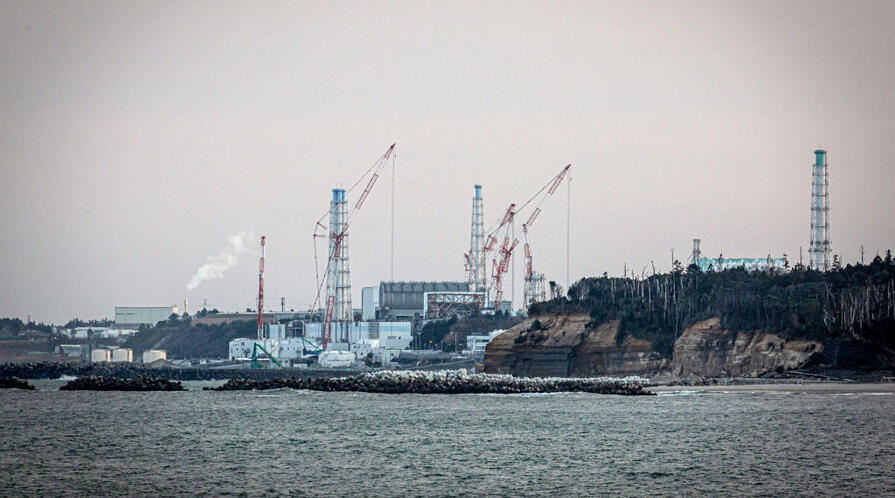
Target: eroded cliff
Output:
[(563, 345), (705, 349)]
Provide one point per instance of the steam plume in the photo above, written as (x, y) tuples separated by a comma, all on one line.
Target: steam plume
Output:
[(222, 261)]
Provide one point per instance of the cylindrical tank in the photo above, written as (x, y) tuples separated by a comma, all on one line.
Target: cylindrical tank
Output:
[(122, 355), (99, 355)]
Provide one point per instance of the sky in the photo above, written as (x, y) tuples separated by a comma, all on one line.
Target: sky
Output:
[(137, 138)]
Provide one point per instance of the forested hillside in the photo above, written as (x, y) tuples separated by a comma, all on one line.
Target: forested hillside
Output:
[(181, 339), (852, 301)]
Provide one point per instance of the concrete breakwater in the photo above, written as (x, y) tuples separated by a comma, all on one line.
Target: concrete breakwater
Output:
[(445, 382), (15, 383), (116, 384), (55, 370)]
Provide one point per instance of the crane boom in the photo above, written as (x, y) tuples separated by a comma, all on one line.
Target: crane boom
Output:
[(503, 258)]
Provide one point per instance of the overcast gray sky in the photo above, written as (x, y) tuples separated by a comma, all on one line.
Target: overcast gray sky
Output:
[(136, 136)]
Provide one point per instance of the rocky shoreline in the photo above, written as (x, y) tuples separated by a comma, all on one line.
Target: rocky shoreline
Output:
[(444, 382), (116, 384), (15, 383)]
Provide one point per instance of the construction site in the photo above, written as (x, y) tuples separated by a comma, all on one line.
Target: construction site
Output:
[(335, 334)]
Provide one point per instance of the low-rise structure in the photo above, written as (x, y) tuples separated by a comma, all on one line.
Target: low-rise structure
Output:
[(475, 344), (73, 350)]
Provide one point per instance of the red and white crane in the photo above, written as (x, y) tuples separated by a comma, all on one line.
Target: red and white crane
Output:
[(261, 292), (322, 231), (505, 231)]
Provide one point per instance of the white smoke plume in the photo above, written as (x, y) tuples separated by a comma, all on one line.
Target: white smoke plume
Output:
[(224, 260)]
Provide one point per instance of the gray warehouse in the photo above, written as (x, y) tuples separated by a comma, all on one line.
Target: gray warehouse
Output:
[(142, 315), (406, 300)]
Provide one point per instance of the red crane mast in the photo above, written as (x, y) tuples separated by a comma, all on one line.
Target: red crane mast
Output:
[(261, 292)]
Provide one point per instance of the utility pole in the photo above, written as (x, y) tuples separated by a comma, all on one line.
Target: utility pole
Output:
[(862, 255)]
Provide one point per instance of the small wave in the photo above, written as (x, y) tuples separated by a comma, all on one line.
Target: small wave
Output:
[(680, 393), (67, 377)]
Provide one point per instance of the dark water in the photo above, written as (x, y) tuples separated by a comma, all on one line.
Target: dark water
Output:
[(308, 443)]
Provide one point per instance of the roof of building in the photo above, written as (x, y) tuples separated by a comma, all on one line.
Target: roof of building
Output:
[(421, 287)]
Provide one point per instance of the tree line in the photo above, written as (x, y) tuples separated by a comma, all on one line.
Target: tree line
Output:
[(797, 303)]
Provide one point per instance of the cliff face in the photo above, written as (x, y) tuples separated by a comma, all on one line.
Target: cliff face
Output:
[(707, 350), (562, 346)]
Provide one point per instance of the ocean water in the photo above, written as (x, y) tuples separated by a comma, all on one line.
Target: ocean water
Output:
[(303, 443)]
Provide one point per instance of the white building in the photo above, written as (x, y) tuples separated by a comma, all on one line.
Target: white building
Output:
[(142, 315), (151, 355), (475, 344), (388, 335), (282, 349), (369, 302)]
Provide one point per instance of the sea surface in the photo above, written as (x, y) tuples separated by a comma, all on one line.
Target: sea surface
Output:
[(780, 442)]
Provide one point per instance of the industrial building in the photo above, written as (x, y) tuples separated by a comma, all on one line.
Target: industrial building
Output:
[(384, 335), (475, 344), (369, 303), (721, 263), (142, 315), (407, 300), (441, 305)]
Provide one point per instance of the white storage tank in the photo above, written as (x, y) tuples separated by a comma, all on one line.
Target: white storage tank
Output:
[(99, 355), (152, 355), (335, 359), (122, 355)]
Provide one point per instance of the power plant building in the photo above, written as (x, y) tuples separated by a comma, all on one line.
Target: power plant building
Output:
[(721, 263), (380, 335), (407, 300), (142, 315), (369, 303)]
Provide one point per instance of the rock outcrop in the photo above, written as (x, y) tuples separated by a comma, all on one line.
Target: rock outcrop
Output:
[(15, 383), (116, 384), (707, 350), (563, 346)]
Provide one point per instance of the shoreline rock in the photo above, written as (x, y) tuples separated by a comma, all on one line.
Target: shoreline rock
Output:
[(445, 382), (115, 384), (15, 383)]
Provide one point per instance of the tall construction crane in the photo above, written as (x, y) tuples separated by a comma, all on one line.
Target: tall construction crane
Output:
[(505, 231), (261, 292), (321, 231)]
